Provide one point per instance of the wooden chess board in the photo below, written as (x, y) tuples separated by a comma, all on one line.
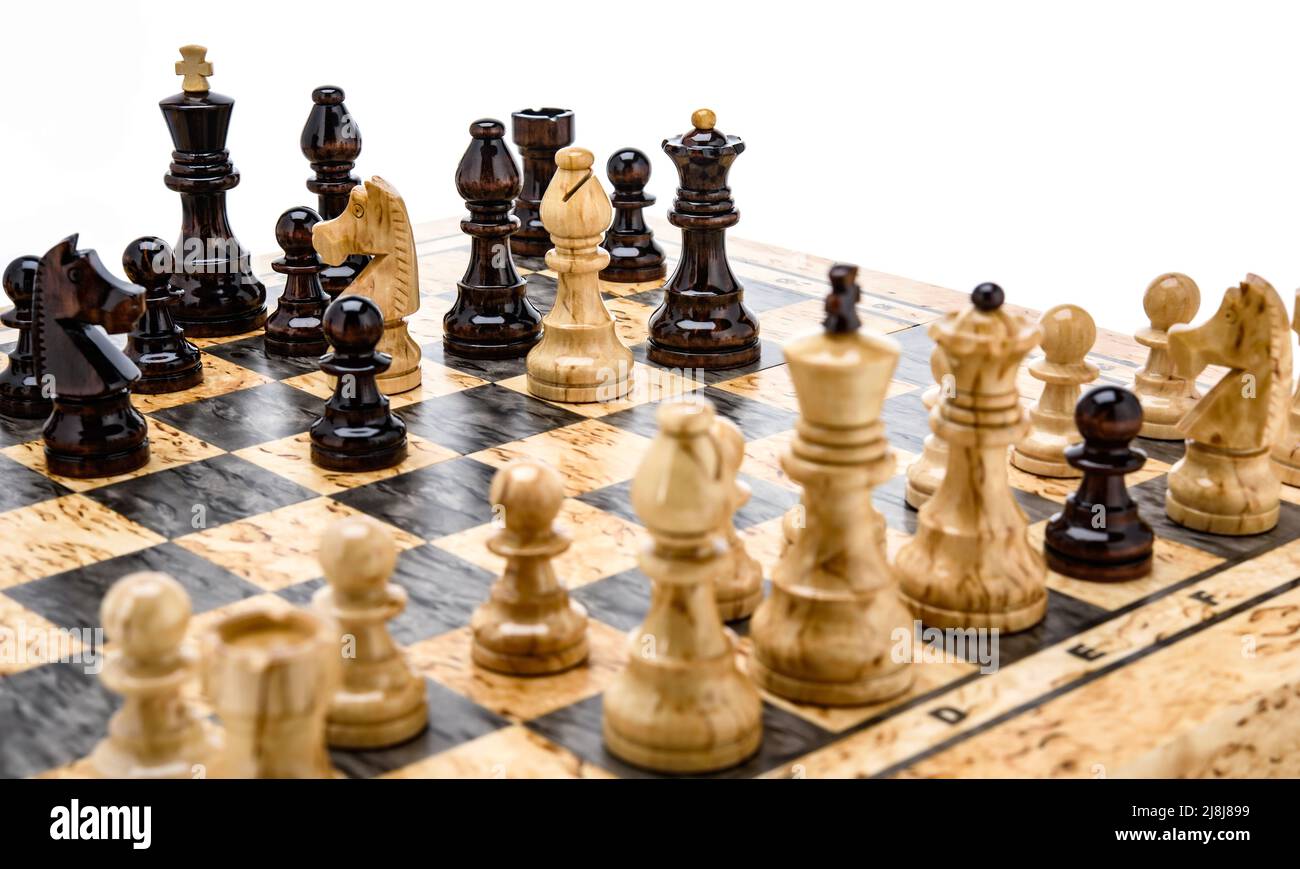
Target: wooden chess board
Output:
[(1194, 670)]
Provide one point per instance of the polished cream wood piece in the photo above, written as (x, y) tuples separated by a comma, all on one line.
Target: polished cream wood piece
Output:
[(970, 563), (270, 673), (156, 733), (739, 587), (528, 626), (1166, 398), (682, 705), (1068, 335), (1226, 481), (195, 68), (926, 472), (375, 223), (824, 633), (580, 358), (1286, 453), (381, 700)]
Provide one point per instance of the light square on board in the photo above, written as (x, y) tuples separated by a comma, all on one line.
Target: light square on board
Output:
[(291, 458), (64, 533), (603, 544), (513, 752), (447, 660), (220, 376), (168, 448), (589, 455), (277, 549), (43, 641)]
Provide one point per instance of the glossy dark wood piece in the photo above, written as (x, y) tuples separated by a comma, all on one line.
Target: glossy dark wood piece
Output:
[(492, 317), (634, 255), (93, 431), (20, 390), (295, 328), (842, 301), (538, 134), (358, 431), (331, 140), (1108, 417), (702, 321), (167, 361), (220, 295)]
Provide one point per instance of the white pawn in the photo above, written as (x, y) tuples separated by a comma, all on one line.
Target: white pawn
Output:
[(528, 626), (1068, 335), (381, 701), (739, 588), (926, 473), (156, 733), (1165, 397)]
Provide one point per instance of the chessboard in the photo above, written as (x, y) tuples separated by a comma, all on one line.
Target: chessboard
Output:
[(1193, 670)]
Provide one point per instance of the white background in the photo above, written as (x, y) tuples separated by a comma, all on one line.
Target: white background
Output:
[(1070, 153)]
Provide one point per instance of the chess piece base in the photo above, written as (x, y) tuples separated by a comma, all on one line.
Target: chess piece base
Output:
[(72, 425), (671, 358), (220, 328), (188, 761), (1042, 468), (916, 496), (1286, 472), (666, 760), (282, 347), (1160, 432), (1222, 493), (490, 349), (635, 274), (1008, 621), (872, 689), (356, 721), (532, 664), (740, 602), (22, 408), (175, 374), (376, 460), (578, 394), (1097, 571)]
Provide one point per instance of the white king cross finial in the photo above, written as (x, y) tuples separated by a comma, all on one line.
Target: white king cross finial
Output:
[(195, 67)]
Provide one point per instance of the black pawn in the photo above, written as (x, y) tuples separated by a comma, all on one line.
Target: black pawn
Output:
[(331, 140), (167, 361), (634, 255), (20, 390), (358, 432), (1099, 535), (492, 317), (295, 327)]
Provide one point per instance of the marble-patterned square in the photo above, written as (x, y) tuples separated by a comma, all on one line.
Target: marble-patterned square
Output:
[(276, 549), (447, 660), (755, 419), (1173, 562), (220, 376), (435, 380), (620, 600), (72, 598), (763, 459), (64, 533), (603, 544), (513, 752), (70, 708), (15, 431), (483, 417), (589, 454), (250, 353), (650, 384), (169, 447), (453, 721), (246, 417), (31, 641), (488, 370), (198, 495), (290, 458), (20, 486), (431, 502)]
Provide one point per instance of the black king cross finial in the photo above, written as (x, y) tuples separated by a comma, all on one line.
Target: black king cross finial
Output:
[(841, 310)]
